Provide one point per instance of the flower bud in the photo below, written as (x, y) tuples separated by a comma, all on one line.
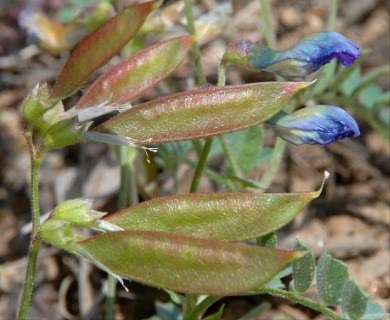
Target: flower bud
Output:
[(77, 212), (314, 125), (34, 105), (304, 58), (58, 233)]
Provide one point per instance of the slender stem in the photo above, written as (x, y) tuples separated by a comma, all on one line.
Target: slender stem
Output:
[(128, 195), (29, 281), (189, 305), (222, 139), (212, 175), (111, 283), (268, 30), (202, 81), (209, 141), (197, 145), (280, 145), (373, 122), (36, 162), (132, 181), (332, 15), (190, 300), (35, 244), (229, 156), (301, 300), (222, 74), (201, 164), (202, 307), (194, 47), (274, 164)]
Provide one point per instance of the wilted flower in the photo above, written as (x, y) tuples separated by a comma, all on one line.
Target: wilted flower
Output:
[(314, 125), (304, 58)]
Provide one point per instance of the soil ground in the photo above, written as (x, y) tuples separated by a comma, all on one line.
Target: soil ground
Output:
[(350, 220)]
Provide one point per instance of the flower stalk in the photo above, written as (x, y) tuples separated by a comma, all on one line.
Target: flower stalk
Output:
[(35, 243), (290, 295)]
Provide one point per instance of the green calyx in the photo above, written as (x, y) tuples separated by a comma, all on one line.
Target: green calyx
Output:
[(49, 125)]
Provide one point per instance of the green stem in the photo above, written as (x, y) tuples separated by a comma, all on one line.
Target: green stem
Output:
[(199, 73), (197, 145), (35, 243), (189, 305), (222, 139), (212, 175), (194, 47), (111, 290), (202, 307), (128, 195), (29, 280), (268, 30), (202, 81), (222, 74), (36, 162), (229, 156), (190, 300), (209, 141), (274, 164), (201, 164), (381, 129), (301, 300), (332, 15), (280, 145)]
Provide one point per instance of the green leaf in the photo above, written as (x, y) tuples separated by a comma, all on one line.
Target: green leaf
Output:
[(276, 282), (137, 73), (98, 47), (382, 101), (303, 269), (331, 276), (185, 264), (372, 95), (370, 78), (215, 316), (202, 306), (247, 146), (221, 216), (199, 113), (269, 240), (176, 298), (375, 312), (353, 301), (352, 81)]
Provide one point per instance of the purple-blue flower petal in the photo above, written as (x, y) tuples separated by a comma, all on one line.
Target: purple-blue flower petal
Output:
[(314, 125), (305, 57), (322, 47)]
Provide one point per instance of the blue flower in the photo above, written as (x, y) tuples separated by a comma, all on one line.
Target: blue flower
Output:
[(314, 125), (304, 58)]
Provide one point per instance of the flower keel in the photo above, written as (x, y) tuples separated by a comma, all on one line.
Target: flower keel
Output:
[(304, 58), (314, 125)]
